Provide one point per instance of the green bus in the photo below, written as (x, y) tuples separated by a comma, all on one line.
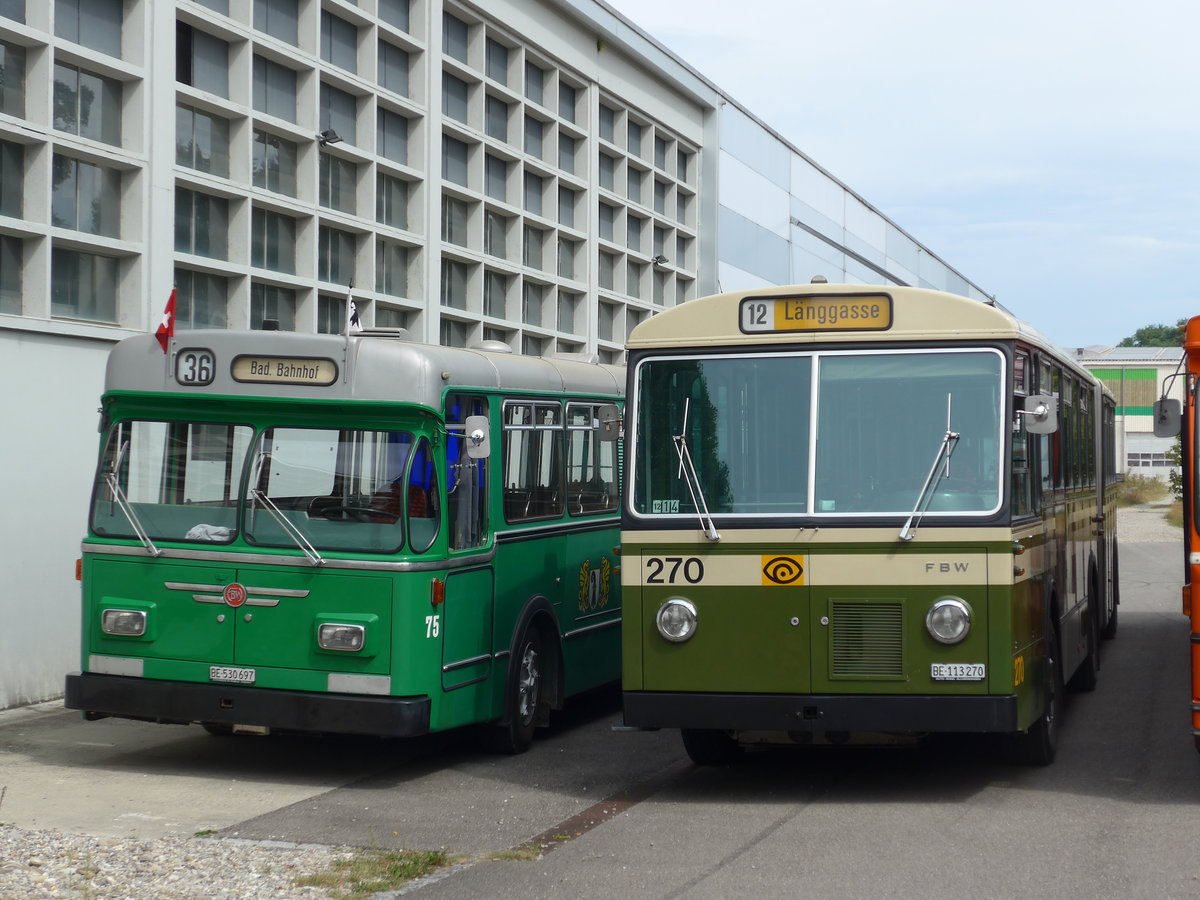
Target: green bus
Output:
[(349, 534), (861, 512)]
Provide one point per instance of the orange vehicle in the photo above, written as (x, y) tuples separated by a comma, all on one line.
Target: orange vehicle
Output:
[(1167, 422)]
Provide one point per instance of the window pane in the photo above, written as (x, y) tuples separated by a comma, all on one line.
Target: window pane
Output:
[(395, 12), (274, 89), (566, 102), (454, 97), (534, 83), (10, 275), (454, 37), (275, 303), (92, 23), (391, 136), (278, 18), (339, 183), (533, 136), (202, 300), (391, 201), (274, 163), (497, 61), (339, 111), (12, 179), (391, 269), (393, 68), (12, 79), (496, 178), (454, 161), (339, 42), (566, 153), (496, 118), (83, 286), (533, 194)]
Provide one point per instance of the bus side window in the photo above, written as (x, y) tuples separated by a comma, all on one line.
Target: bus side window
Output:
[(466, 478), (1022, 476), (422, 504)]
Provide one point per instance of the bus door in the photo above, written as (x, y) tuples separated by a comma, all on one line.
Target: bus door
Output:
[(465, 617)]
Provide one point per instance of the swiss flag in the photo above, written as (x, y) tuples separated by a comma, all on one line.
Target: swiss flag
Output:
[(166, 328)]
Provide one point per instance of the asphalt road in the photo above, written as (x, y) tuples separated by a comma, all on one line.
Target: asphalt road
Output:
[(625, 814)]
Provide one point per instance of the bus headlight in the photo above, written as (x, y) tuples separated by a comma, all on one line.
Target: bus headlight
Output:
[(128, 622), (335, 636), (676, 620), (948, 620)]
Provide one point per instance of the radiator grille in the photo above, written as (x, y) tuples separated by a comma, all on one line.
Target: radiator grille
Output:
[(868, 640)]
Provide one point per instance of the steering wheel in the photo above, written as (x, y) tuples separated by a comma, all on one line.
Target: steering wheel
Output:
[(360, 514)]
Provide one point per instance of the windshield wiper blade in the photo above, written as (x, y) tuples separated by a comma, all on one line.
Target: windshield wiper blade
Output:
[(110, 479), (945, 450), (289, 528), (687, 471)]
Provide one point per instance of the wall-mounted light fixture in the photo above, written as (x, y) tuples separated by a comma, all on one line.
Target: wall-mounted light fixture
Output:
[(660, 261), (328, 136)]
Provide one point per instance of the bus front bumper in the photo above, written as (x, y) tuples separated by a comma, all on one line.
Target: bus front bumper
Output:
[(902, 714), (183, 703)]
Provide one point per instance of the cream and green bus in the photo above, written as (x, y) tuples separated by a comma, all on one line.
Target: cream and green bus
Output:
[(861, 511)]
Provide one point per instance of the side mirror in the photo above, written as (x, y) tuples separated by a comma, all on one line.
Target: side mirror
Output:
[(477, 434), (610, 423), (1167, 417), (1041, 414)]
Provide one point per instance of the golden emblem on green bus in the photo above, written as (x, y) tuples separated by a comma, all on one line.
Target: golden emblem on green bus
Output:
[(594, 585), (843, 312)]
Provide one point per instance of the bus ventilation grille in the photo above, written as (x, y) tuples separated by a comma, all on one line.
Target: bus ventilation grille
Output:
[(868, 640)]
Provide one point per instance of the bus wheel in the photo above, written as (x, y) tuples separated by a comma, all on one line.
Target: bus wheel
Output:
[(709, 747), (1038, 745), (523, 696)]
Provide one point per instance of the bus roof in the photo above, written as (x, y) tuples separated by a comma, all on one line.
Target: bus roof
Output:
[(917, 314), (368, 366)]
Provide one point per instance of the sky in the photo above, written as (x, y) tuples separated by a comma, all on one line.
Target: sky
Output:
[(1049, 150)]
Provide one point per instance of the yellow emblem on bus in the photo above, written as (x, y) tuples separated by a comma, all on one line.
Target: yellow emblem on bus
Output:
[(782, 570)]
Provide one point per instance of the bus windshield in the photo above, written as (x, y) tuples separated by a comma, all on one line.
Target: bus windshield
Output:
[(343, 489), (180, 480), (852, 433), (340, 489)]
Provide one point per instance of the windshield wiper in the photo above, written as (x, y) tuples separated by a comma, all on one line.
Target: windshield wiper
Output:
[(945, 451), (110, 479), (687, 471), (287, 525)]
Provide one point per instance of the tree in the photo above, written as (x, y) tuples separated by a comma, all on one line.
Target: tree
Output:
[(1157, 336)]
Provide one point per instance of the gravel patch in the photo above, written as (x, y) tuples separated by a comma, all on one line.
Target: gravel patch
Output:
[(52, 865), (1146, 524)]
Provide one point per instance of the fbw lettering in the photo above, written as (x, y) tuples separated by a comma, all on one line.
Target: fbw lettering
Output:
[(946, 567)]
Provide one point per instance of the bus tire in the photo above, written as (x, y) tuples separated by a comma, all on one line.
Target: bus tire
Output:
[(1039, 745), (1109, 631), (524, 696), (710, 747)]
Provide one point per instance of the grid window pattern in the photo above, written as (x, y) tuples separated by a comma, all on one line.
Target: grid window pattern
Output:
[(499, 226)]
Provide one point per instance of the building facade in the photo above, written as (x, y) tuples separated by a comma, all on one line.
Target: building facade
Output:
[(540, 172)]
